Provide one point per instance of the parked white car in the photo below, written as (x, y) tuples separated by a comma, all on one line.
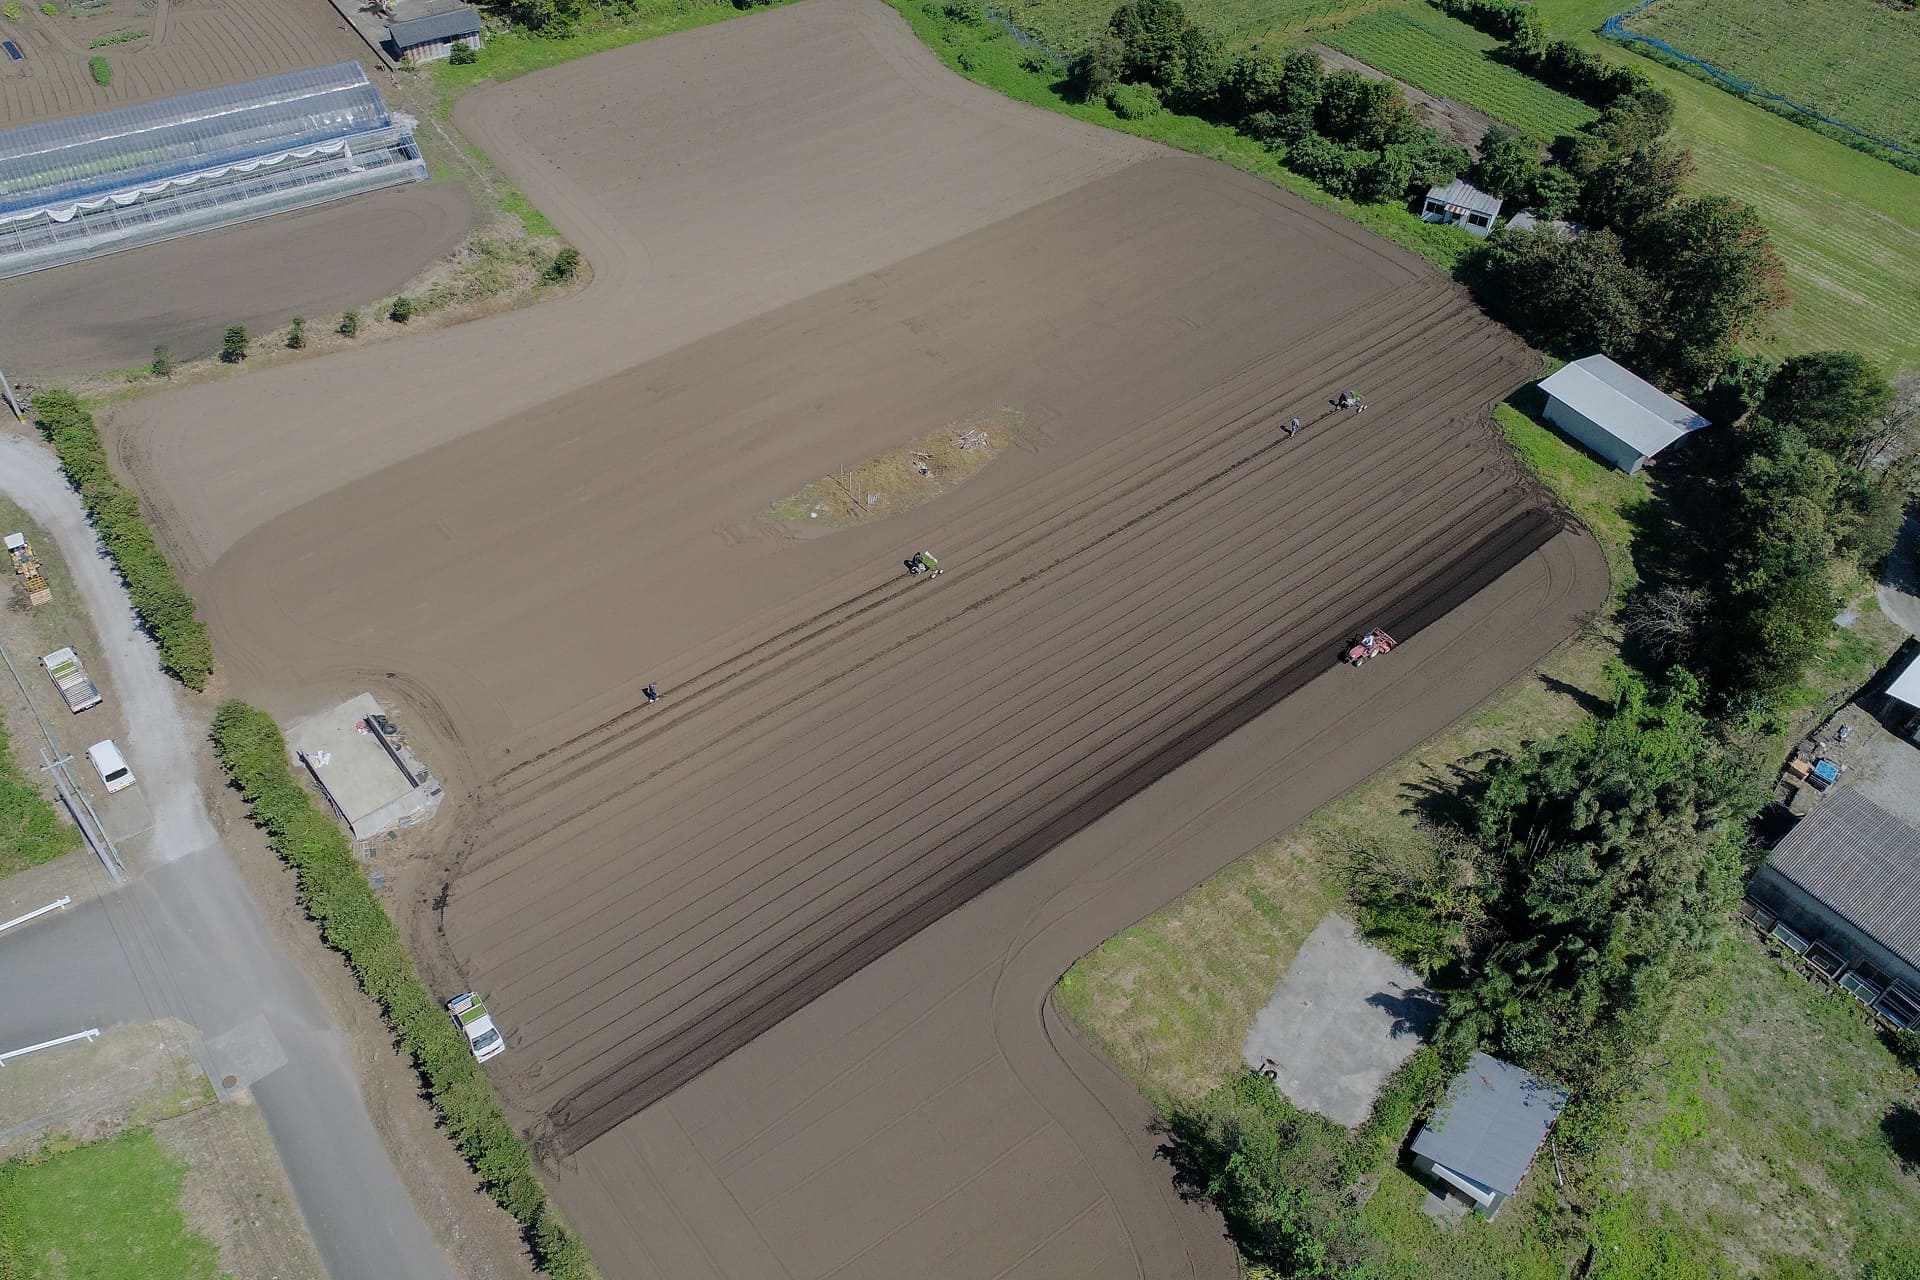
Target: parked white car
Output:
[(110, 765), (471, 1017)]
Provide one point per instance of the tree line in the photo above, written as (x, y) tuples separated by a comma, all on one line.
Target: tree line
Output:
[(336, 894)]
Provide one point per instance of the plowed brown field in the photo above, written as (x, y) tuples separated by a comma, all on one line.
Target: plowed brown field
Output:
[(508, 529)]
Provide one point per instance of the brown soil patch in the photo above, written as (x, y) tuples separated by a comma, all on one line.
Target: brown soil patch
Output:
[(832, 246), (236, 1193), (111, 312)]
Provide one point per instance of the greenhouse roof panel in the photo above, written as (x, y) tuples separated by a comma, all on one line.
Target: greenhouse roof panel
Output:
[(60, 161)]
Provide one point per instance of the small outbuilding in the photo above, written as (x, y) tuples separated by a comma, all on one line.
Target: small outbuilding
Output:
[(1614, 412), (428, 30), (1483, 1137), (1461, 204), (1903, 696), (1843, 889), (1525, 220)]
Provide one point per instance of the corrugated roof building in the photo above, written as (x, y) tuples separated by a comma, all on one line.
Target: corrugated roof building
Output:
[(93, 184), (1482, 1139), (1616, 413), (1846, 881), (428, 30), (1463, 205)]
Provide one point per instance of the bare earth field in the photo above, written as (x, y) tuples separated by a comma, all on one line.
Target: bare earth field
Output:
[(772, 955), (111, 312)]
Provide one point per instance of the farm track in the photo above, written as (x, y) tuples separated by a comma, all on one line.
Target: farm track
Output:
[(772, 955)]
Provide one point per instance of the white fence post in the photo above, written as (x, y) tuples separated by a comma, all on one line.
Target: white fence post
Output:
[(89, 1036), (61, 905)]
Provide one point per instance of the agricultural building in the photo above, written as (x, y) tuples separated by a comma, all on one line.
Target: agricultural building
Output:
[(428, 30), (1483, 1137), (95, 184), (362, 763), (1623, 418), (1843, 889), (1461, 204)]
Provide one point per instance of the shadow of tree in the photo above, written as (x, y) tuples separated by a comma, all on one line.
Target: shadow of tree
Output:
[(1415, 1010), (1901, 1128), (1591, 703)]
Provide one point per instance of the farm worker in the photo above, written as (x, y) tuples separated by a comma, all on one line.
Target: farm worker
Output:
[(1346, 400), (1293, 428), (653, 693)]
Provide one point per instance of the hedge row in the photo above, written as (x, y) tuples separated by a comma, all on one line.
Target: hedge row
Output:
[(1503, 19), (165, 608), (1588, 76), (352, 920)]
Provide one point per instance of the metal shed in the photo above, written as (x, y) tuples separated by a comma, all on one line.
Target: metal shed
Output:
[(1615, 412), (1481, 1140), (1463, 205)]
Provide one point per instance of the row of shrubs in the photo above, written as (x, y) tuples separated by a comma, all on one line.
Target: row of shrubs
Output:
[(165, 608), (1560, 63), (335, 892)]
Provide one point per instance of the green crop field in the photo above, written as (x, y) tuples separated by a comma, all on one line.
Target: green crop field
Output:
[(1857, 61), (1448, 59)]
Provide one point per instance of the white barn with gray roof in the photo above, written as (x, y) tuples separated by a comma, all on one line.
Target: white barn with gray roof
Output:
[(1483, 1137), (1461, 204), (1614, 412)]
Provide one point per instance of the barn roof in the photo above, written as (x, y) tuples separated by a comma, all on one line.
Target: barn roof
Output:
[(1862, 863), (1906, 685), (441, 22), (1628, 406), (1464, 195), (1494, 1118)]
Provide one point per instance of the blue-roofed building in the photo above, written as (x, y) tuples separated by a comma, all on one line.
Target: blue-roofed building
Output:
[(1483, 1137), (78, 188)]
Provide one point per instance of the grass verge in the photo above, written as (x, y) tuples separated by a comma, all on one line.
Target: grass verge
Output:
[(106, 1211), (166, 610), (32, 831), (353, 921)]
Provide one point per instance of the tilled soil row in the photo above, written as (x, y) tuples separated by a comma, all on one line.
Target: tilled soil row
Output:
[(710, 865)]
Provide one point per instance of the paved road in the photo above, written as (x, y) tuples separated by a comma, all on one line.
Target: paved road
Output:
[(186, 940)]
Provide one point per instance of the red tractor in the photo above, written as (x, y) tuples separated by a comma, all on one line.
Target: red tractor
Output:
[(1370, 645)]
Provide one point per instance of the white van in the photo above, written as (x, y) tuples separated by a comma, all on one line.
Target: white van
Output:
[(110, 765)]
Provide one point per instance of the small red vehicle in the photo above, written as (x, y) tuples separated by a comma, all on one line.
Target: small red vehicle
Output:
[(1370, 645)]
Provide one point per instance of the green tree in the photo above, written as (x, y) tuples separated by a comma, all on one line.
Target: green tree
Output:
[(297, 334), (1326, 162), (1254, 83), (1554, 192), (565, 265), (1301, 84), (1573, 296), (1509, 164), (1628, 189), (162, 366), (402, 309), (1719, 278), (1618, 850), (1163, 47), (233, 344), (1364, 113), (349, 326), (1836, 397)]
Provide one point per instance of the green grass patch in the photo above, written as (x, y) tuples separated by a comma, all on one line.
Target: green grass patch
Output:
[(513, 54), (106, 1211), (1602, 495), (32, 831), (1448, 58), (102, 70), (1857, 61)]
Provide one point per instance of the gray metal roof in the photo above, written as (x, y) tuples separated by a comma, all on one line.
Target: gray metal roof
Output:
[(1464, 195), (1863, 863), (408, 32), (1906, 686), (1494, 1119), (1622, 402)]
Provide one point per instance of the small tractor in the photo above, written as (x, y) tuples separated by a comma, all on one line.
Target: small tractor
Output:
[(1370, 645)]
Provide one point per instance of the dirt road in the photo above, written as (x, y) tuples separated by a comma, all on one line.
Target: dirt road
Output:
[(838, 866)]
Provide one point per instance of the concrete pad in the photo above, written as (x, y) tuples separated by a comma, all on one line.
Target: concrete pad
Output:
[(1342, 1020), (243, 1055), (373, 780)]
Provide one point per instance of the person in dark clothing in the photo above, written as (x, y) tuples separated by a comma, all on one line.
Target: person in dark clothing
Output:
[(1293, 428), (653, 693)]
